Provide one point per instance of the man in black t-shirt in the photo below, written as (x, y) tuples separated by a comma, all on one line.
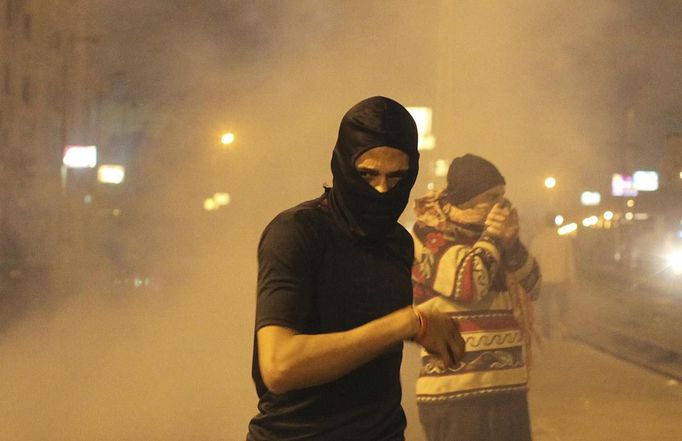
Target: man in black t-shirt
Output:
[(334, 294)]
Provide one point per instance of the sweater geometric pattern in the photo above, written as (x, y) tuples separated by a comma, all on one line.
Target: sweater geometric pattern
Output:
[(464, 275)]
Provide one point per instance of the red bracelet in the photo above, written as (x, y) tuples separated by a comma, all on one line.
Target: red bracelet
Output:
[(423, 325)]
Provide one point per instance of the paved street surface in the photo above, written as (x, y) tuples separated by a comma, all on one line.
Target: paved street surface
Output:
[(634, 321), (581, 394), (578, 393)]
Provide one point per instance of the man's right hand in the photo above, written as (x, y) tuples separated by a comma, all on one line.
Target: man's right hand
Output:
[(442, 338)]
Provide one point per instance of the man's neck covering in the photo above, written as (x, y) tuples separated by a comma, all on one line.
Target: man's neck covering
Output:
[(469, 176), (359, 209)]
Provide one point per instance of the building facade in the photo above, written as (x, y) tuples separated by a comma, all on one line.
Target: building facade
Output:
[(46, 92)]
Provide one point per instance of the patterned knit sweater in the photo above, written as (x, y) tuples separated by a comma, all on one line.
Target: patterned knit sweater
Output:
[(463, 273)]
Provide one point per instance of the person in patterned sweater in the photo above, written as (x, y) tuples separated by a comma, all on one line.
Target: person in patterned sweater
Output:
[(471, 265)]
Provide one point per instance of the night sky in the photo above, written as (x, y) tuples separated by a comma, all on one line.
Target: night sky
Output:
[(537, 81)]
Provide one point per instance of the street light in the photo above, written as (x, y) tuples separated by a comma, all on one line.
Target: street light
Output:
[(550, 183), (210, 204), (111, 173), (227, 138), (590, 221), (222, 198), (80, 156), (674, 260), (219, 199), (567, 229)]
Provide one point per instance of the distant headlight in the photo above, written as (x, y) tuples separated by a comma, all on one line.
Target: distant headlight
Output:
[(674, 260)]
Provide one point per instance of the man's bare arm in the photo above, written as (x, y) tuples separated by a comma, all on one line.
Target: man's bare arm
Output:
[(290, 361)]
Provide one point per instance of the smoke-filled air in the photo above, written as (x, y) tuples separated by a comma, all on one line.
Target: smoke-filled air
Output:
[(127, 307)]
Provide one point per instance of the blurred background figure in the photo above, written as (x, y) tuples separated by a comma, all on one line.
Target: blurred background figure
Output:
[(554, 253), (471, 265)]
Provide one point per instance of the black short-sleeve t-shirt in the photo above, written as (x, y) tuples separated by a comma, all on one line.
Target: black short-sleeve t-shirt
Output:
[(315, 279)]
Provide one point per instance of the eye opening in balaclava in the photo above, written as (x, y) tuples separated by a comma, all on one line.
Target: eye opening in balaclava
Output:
[(361, 210), (401, 171)]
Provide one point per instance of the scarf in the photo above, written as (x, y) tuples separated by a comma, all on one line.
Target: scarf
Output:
[(469, 222)]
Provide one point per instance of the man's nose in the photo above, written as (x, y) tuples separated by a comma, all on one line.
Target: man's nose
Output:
[(381, 184)]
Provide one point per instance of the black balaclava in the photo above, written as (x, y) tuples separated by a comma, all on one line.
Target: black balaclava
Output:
[(360, 210)]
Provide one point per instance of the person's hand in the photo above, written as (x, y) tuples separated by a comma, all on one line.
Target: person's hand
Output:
[(442, 338), (510, 232), (503, 223), (497, 218)]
